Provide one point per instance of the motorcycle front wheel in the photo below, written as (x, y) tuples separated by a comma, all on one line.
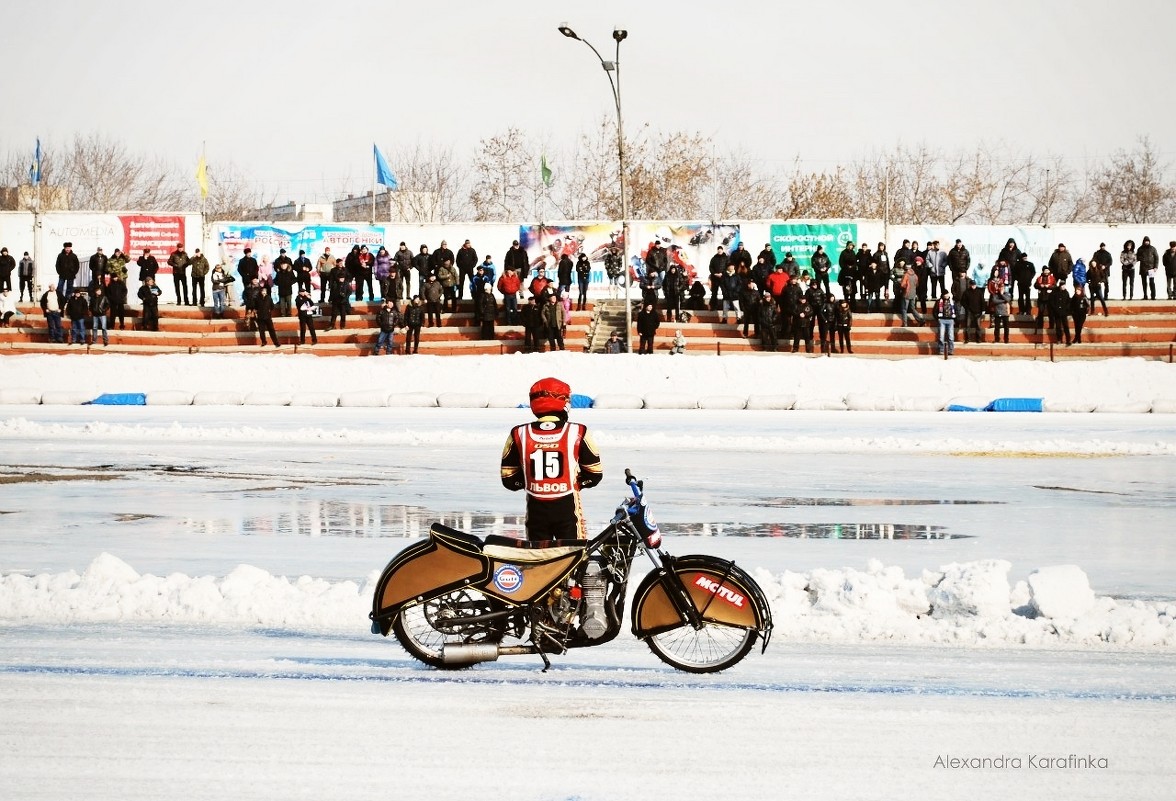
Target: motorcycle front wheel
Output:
[(710, 649), (423, 629)]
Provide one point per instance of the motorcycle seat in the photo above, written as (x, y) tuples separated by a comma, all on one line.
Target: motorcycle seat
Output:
[(511, 550)]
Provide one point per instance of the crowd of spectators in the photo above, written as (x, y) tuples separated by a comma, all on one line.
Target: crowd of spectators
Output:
[(789, 305)]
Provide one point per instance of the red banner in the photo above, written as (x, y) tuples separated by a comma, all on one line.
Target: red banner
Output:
[(160, 233)]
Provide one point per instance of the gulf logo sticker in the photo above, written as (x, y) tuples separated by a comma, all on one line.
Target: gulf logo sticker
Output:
[(508, 578)]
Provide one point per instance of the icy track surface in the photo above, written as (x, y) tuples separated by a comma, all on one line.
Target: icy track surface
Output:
[(966, 606)]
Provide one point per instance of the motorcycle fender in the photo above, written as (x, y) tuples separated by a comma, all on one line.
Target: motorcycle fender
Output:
[(721, 593), (438, 564)]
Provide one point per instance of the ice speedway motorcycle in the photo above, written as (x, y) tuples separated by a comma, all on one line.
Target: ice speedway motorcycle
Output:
[(455, 600)]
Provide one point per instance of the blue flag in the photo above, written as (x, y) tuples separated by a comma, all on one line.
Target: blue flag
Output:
[(35, 167), (384, 175)]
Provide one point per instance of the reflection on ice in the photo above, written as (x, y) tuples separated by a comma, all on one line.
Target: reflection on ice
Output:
[(304, 517), (816, 531)]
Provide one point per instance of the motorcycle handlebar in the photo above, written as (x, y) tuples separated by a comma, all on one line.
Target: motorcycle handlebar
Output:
[(634, 483)]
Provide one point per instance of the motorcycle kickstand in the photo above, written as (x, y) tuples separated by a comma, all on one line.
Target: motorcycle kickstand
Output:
[(543, 654)]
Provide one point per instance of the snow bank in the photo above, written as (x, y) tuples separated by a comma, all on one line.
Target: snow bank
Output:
[(1062, 591), (1120, 385), (968, 604)]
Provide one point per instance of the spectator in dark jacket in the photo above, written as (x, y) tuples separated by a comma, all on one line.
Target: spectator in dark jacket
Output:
[(248, 270), (516, 259), (648, 322), (67, 270), (388, 320), (843, 323), (285, 279), (414, 318), (99, 308), (149, 296), (973, 304), (532, 322), (265, 319), (466, 260), (1149, 264), (306, 312), (717, 269), (767, 320), (1061, 263), (76, 308), (729, 287), (673, 288), (1060, 312), (1170, 270), (821, 266), (1079, 308), (116, 293), (433, 295), (487, 310)]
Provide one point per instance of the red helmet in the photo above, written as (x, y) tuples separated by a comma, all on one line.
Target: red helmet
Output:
[(549, 395)]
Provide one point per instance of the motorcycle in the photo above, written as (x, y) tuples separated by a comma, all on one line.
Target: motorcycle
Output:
[(455, 600)]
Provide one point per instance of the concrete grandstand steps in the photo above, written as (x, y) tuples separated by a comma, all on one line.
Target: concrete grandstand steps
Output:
[(1139, 328)]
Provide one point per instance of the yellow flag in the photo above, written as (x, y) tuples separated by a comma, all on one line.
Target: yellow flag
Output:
[(202, 177)]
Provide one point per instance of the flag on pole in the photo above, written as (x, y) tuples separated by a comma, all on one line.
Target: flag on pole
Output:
[(384, 176), (35, 167), (202, 177), (545, 171)]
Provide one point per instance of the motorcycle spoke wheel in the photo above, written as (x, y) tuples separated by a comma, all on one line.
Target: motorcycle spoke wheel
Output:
[(424, 629), (710, 649)]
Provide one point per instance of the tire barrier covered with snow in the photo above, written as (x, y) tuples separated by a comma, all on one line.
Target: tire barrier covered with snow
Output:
[(855, 401)]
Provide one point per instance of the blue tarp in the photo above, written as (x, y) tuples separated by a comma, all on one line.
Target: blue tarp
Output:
[(120, 399), (1014, 405), (1002, 405)]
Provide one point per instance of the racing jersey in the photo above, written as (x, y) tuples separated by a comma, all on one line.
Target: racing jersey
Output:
[(552, 460)]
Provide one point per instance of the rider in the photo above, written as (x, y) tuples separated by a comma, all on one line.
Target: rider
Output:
[(552, 459)]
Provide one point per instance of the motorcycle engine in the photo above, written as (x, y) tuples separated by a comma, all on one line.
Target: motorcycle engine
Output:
[(594, 619)]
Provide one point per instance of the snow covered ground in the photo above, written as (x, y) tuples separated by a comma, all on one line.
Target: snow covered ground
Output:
[(183, 590)]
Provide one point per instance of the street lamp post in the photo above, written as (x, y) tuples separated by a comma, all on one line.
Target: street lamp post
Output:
[(618, 35)]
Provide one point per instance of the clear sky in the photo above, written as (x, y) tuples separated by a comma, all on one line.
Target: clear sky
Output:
[(295, 93)]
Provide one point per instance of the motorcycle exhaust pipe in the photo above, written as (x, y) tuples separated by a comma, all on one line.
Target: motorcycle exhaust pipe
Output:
[(460, 654)]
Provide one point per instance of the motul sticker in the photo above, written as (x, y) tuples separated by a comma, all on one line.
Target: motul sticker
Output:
[(508, 578), (722, 591)]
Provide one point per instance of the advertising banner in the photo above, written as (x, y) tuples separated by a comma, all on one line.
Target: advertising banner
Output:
[(801, 240), (546, 244), (689, 245), (131, 232), (266, 241)]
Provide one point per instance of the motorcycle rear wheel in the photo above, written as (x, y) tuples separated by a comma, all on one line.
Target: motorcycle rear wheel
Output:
[(423, 629), (710, 649)]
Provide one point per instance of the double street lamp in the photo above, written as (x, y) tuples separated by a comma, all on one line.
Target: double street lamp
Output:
[(619, 35)]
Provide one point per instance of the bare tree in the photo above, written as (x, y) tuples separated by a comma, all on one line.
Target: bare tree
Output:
[(739, 191), (232, 195), (812, 195), (590, 188), (430, 185), (1132, 187), (506, 170), (103, 175)]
